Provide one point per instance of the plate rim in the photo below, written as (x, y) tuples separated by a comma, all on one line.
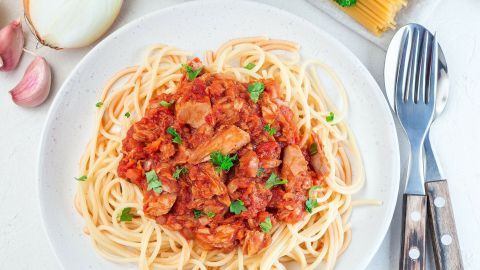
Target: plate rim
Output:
[(344, 50)]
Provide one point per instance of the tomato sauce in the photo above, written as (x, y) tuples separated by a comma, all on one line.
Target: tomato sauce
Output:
[(211, 113)]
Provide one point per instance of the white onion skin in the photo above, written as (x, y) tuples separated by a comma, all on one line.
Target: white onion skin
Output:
[(62, 24), (34, 87), (11, 45)]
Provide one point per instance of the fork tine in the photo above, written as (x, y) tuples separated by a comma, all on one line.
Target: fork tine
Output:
[(402, 68), (411, 94), (424, 72), (432, 93)]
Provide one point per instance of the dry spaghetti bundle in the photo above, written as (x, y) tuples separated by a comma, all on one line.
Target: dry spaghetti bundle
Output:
[(376, 15)]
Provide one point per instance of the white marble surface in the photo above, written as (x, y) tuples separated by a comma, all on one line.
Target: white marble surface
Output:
[(24, 245)]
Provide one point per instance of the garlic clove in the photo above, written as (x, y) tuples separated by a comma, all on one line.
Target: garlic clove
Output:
[(34, 87), (70, 23), (11, 45)]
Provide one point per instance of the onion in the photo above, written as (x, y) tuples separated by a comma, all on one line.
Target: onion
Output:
[(70, 23), (34, 87), (11, 45)]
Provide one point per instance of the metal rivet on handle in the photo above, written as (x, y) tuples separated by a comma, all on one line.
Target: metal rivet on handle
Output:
[(414, 253), (415, 216), (446, 239), (439, 202)]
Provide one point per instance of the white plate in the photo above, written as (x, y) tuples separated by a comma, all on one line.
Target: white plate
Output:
[(198, 26)]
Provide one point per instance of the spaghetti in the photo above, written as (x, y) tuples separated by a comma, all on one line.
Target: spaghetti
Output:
[(317, 240), (376, 15)]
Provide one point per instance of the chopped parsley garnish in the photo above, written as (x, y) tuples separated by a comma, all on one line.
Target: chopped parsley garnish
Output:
[(274, 180), (250, 66), (237, 207), (197, 213), (125, 214), (191, 73), (256, 89), (346, 3), (313, 149), (312, 190), (270, 130), (176, 137), (179, 171), (330, 117), (310, 204), (153, 182), (167, 104), (127, 115), (81, 178), (99, 104), (266, 225), (260, 171), (223, 162)]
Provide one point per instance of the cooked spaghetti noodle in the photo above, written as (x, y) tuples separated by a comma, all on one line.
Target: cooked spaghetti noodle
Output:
[(317, 240)]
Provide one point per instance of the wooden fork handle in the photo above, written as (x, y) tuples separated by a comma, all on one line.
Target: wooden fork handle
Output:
[(442, 225), (413, 232)]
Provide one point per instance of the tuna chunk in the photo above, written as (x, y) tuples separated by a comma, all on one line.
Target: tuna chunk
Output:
[(248, 164), (255, 241), (156, 205), (319, 161), (294, 162), (206, 183), (228, 140), (193, 112), (320, 164), (222, 237)]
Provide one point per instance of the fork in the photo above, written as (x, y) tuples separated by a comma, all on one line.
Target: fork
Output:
[(415, 90)]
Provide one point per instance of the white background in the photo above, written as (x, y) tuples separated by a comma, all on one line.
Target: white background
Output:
[(23, 243)]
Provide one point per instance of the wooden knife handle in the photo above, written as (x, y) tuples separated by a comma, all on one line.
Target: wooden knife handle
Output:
[(413, 232), (442, 224)]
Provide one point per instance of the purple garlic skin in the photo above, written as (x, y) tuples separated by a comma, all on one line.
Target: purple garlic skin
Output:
[(11, 45), (34, 87)]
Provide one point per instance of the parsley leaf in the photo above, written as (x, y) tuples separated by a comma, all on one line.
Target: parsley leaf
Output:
[(310, 204), (153, 182), (237, 207), (312, 190), (81, 178), (346, 3), (260, 171), (210, 214), (313, 149), (250, 66), (191, 73), (167, 104), (127, 115), (271, 130), (176, 137), (266, 225), (179, 170), (330, 117), (197, 213), (223, 162), (256, 89), (274, 180), (125, 215), (99, 104)]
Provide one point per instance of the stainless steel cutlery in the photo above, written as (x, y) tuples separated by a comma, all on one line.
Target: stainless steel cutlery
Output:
[(415, 73)]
